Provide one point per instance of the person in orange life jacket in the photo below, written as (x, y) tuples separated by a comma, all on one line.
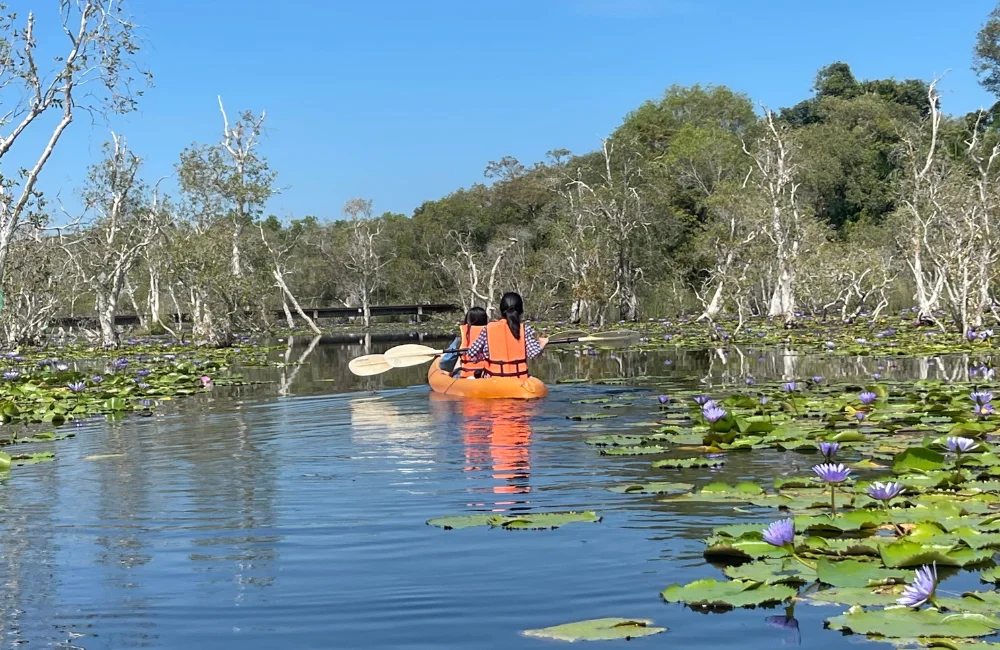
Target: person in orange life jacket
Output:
[(506, 345), (475, 320)]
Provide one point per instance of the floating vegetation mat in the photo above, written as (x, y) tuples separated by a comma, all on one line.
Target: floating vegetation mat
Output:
[(890, 490)]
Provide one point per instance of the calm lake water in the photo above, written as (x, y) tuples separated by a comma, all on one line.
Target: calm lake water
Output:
[(291, 514)]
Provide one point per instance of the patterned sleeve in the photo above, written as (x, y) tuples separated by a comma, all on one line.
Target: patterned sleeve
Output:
[(479, 349), (531, 344)]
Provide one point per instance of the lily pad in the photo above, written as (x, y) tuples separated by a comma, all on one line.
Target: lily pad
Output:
[(652, 488), (865, 597), (852, 573), (684, 463), (772, 572), (712, 594), (904, 553), (909, 623), (527, 521), (917, 459), (591, 416), (598, 629)]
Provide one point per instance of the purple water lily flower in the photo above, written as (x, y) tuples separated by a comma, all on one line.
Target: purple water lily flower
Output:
[(960, 445), (981, 397), (828, 449), (817, 379), (867, 397), (143, 385), (120, 364), (789, 387), (876, 376), (830, 345), (971, 335), (668, 362), (780, 532), (11, 375), (713, 413), (832, 473), (763, 400), (77, 386), (664, 399), (983, 409), (96, 379), (885, 491), (145, 372), (62, 367), (701, 400), (922, 589), (860, 415), (749, 381)]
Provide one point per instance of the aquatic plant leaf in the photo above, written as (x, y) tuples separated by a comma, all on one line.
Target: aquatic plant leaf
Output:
[(683, 463), (746, 548), (626, 440), (851, 521), (909, 623), (652, 488), (31, 459), (979, 602), (641, 450), (851, 435), (990, 575), (591, 416), (853, 573), (863, 596), (712, 594), (917, 459), (739, 530), (598, 629), (867, 547), (904, 553), (745, 487), (526, 521), (772, 571)]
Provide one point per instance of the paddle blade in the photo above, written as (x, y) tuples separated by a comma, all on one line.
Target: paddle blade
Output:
[(618, 336), (368, 365), (411, 354)]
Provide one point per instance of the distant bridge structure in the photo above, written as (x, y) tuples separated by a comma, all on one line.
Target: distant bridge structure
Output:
[(417, 311)]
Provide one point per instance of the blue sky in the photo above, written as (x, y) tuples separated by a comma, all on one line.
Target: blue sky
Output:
[(404, 101)]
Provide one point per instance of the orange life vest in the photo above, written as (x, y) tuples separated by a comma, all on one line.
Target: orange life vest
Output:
[(508, 355), (469, 335)]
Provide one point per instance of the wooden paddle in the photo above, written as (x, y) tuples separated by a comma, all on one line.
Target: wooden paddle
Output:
[(410, 354)]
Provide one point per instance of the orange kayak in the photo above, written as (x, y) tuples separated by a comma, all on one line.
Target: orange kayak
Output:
[(486, 388)]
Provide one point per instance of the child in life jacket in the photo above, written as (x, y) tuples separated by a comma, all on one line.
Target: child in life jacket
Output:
[(475, 320)]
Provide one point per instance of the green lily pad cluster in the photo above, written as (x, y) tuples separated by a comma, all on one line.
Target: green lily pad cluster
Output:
[(55, 385), (916, 481)]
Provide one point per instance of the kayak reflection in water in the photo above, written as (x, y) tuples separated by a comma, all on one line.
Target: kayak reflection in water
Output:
[(497, 435)]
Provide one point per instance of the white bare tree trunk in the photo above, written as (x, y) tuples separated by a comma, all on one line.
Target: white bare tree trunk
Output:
[(107, 308)]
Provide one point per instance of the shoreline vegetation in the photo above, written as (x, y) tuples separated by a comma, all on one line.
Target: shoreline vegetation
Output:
[(864, 197)]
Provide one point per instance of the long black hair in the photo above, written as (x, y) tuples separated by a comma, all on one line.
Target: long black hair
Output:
[(511, 308), (477, 317)]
